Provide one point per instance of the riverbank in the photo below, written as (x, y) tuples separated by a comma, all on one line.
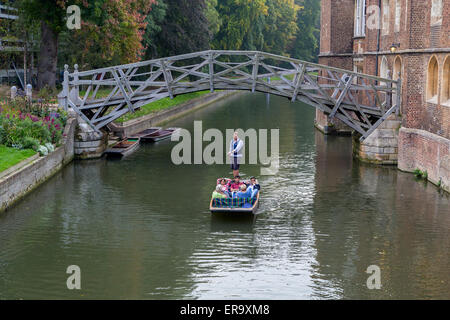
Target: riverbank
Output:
[(133, 126), (20, 178), (16, 184), (11, 157)]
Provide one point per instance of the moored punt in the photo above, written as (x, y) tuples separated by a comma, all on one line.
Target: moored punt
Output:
[(234, 205), (159, 135), (145, 133), (123, 148)]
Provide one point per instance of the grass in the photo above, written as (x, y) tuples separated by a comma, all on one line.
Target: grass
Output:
[(162, 104), (10, 156), (101, 93)]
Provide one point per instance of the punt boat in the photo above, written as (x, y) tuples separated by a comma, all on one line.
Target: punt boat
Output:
[(159, 135), (123, 148), (143, 134), (234, 205)]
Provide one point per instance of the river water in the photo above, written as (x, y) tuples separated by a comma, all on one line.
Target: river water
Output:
[(139, 228)]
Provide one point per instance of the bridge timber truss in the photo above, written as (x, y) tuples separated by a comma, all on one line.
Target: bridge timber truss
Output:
[(101, 96)]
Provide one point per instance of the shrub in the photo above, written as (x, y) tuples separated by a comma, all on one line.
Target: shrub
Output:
[(30, 143), (26, 130)]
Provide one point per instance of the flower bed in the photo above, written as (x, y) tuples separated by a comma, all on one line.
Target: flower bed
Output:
[(24, 125)]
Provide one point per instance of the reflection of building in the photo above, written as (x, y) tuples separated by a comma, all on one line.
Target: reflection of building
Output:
[(403, 38)]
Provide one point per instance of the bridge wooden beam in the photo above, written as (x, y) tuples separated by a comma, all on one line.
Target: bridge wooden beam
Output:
[(298, 82), (357, 103)]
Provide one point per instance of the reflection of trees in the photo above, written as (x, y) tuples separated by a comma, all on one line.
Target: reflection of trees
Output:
[(376, 215)]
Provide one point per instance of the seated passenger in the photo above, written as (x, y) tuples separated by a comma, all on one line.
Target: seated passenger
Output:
[(254, 183), (244, 193), (254, 186), (218, 193), (224, 184), (235, 184)]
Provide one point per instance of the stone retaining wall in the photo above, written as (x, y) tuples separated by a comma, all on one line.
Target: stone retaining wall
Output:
[(381, 147), (427, 152), (17, 184)]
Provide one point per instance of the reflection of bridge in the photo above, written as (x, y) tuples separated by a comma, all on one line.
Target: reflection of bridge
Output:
[(361, 101)]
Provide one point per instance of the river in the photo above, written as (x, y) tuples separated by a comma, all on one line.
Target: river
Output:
[(139, 228)]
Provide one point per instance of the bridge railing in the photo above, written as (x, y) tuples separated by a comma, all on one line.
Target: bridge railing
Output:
[(103, 95)]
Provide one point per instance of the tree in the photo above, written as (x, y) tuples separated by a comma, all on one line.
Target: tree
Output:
[(154, 20), (184, 29), (306, 44), (51, 16), (112, 32), (280, 26), (213, 17), (241, 24)]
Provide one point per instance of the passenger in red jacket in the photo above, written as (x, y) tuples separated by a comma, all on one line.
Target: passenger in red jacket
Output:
[(235, 184)]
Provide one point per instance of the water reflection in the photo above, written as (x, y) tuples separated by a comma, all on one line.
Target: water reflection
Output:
[(140, 227)]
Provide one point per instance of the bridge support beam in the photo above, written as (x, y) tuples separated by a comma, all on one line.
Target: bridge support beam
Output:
[(381, 146), (329, 126)]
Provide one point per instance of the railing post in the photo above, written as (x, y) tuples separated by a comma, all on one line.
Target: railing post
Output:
[(255, 71), (211, 71), (65, 92), (13, 92), (399, 95), (167, 78), (76, 78), (29, 92), (389, 92)]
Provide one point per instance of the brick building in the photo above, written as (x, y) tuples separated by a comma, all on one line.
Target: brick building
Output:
[(406, 38)]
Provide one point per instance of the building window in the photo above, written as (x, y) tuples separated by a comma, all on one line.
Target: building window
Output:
[(384, 69), (397, 73), (435, 23), (398, 13), (436, 12), (386, 9), (446, 83), (432, 81), (360, 18)]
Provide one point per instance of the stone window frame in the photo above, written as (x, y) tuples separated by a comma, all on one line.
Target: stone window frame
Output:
[(384, 73), (432, 84), (385, 17), (445, 88), (395, 75), (398, 15), (360, 18), (436, 19), (384, 68)]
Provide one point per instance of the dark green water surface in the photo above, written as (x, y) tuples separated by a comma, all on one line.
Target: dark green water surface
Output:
[(140, 228)]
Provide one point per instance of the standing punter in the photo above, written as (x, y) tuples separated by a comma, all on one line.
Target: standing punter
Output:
[(235, 153)]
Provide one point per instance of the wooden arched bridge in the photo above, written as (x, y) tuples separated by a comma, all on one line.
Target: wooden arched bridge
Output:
[(361, 101)]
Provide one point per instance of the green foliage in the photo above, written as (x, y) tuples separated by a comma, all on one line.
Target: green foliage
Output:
[(212, 15), (52, 12), (122, 31), (184, 28), (421, 174), (306, 43), (111, 33), (162, 104), (280, 26), (241, 24), (10, 156), (22, 130), (154, 20)]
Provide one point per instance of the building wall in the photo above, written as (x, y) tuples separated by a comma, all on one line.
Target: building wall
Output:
[(419, 36), (336, 47)]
